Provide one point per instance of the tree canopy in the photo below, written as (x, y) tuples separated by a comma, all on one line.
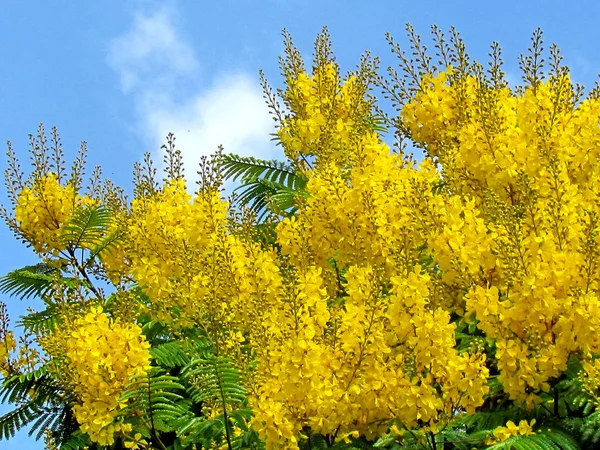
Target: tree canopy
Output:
[(348, 297)]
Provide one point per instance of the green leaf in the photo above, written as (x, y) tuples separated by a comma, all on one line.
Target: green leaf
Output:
[(28, 282), (35, 281), (41, 403), (264, 183), (78, 441), (179, 354), (18, 418), (215, 378), (160, 397), (108, 244), (87, 228), (249, 168), (548, 439), (40, 322)]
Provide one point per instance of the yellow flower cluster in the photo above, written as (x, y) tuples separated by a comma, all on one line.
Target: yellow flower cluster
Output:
[(362, 333), (114, 258), (502, 434), (192, 268), (590, 378), (8, 345), (519, 233), (432, 111), (103, 355), (16, 357), (485, 136), (329, 116), (172, 238), (43, 208)]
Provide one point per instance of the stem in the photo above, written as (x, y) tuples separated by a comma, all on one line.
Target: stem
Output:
[(215, 330), (330, 444), (340, 288), (546, 408), (432, 437), (556, 411), (415, 438), (153, 429), (84, 274), (225, 417)]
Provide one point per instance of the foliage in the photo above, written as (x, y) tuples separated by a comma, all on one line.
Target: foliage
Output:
[(31, 281), (264, 183)]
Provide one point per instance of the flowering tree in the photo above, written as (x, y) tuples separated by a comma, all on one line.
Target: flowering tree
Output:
[(349, 297)]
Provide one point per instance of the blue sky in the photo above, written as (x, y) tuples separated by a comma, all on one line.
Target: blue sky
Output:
[(122, 74)]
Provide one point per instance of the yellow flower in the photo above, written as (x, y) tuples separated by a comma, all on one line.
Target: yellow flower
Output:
[(103, 356), (43, 208), (502, 434)]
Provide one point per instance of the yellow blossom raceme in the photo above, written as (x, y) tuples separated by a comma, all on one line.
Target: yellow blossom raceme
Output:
[(114, 258), (330, 116), (161, 230), (287, 348), (43, 208), (590, 377), (502, 434), (463, 247), (369, 215), (485, 135), (433, 110), (191, 266), (374, 355), (8, 345), (348, 369), (522, 239), (422, 333), (103, 355)]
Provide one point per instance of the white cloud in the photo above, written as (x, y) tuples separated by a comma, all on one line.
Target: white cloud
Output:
[(151, 51), (154, 61), (231, 113)]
